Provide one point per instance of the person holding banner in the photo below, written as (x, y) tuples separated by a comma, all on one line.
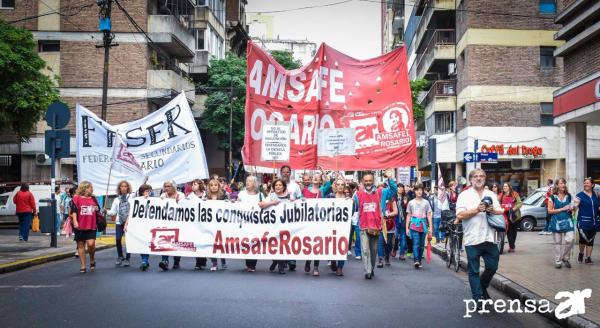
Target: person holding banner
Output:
[(315, 190), (370, 203), (216, 192), (292, 187), (145, 191), (170, 192), (340, 191), (198, 192), (278, 195), (84, 212), (418, 223), (250, 197), (119, 211)]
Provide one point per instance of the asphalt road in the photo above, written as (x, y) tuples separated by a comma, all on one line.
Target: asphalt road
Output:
[(56, 295)]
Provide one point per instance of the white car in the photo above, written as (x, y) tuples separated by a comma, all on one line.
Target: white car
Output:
[(8, 208)]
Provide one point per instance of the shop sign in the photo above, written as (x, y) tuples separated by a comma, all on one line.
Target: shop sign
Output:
[(510, 150)]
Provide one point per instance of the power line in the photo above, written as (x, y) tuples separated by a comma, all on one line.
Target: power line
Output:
[(300, 8), (54, 11)]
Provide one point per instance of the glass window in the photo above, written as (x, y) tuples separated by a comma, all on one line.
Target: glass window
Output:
[(48, 46), (444, 122), (547, 6), (200, 40), (547, 57), (7, 3), (200, 2), (546, 116)]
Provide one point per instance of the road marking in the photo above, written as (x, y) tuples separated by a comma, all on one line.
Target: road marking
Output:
[(32, 286)]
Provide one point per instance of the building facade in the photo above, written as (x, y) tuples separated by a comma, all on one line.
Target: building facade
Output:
[(577, 102), (145, 71)]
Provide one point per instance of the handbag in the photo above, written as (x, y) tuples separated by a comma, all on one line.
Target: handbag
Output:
[(496, 222), (373, 232), (35, 224), (67, 227), (100, 219)]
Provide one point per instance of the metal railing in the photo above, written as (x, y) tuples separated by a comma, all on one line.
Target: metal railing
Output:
[(440, 37), (440, 88)]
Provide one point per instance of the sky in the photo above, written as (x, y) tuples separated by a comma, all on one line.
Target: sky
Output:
[(352, 27)]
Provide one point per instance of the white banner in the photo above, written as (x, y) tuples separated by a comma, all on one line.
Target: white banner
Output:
[(314, 229), (335, 142), (276, 142), (166, 143)]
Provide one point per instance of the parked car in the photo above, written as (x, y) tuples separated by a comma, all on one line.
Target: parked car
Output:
[(8, 210), (534, 211)]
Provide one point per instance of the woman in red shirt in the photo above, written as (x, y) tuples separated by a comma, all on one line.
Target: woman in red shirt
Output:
[(84, 211), (25, 203)]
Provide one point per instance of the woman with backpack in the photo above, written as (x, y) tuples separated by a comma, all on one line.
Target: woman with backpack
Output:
[(84, 213), (561, 223), (120, 212), (511, 203), (588, 219), (250, 196)]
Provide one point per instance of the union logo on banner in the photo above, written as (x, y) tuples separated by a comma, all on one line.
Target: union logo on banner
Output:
[(125, 156)]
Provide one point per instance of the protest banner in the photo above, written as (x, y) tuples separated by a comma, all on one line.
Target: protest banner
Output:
[(314, 229), (335, 142), (166, 144), (332, 91), (276, 142)]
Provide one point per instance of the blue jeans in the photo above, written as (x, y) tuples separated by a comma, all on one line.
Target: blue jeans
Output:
[(120, 232), (58, 221), (384, 249), (439, 235), (357, 249), (418, 243), (145, 258), (547, 226), (489, 252), (24, 224), (401, 233)]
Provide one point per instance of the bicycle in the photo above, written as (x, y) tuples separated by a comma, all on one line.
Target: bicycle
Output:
[(453, 245)]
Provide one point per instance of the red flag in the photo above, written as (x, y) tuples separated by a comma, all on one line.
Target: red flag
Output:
[(332, 91), (428, 256)]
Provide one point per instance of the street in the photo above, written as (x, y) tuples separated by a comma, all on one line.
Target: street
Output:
[(56, 295)]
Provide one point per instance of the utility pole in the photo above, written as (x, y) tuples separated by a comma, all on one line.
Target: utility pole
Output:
[(105, 27), (230, 166)]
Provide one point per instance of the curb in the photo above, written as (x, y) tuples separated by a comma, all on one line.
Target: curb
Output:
[(26, 263), (516, 291)]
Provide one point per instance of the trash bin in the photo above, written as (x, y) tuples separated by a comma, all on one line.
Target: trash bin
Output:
[(45, 219)]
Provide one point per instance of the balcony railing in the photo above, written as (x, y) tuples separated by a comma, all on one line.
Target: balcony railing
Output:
[(441, 88), (440, 37)]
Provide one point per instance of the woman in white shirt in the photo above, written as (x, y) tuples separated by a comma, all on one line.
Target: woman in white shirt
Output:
[(250, 197), (119, 211), (198, 193)]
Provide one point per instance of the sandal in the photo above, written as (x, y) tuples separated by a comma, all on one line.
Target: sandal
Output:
[(82, 270), (92, 266)]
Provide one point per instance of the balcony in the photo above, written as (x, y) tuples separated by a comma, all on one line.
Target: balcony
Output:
[(441, 47), (162, 84), (200, 63), (171, 36), (205, 18), (440, 98)]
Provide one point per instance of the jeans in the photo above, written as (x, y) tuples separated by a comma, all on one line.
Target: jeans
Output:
[(439, 235), (58, 221), (176, 259), (418, 242), (24, 224), (402, 238), (215, 261), (511, 234), (562, 251), (369, 251), (120, 232), (251, 264), (385, 248), (547, 226), (491, 255), (357, 249), (145, 258)]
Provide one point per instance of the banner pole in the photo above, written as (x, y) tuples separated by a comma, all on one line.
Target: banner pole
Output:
[(109, 172)]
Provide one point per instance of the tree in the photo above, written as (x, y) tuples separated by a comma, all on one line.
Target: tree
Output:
[(416, 86), (25, 92), (227, 77)]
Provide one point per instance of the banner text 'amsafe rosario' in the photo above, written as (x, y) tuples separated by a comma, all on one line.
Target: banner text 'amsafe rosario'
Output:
[(311, 229)]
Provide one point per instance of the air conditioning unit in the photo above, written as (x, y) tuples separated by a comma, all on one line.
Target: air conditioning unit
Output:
[(452, 69), (519, 164), (42, 159)]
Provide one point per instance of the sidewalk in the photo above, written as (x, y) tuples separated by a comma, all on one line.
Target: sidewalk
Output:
[(530, 271), (17, 255)]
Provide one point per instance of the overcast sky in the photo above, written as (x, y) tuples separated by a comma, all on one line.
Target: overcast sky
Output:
[(353, 28)]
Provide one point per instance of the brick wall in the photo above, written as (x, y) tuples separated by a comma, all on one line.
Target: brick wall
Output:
[(502, 114), (23, 8), (115, 114), (503, 14), (87, 19), (499, 65), (583, 61), (81, 65)]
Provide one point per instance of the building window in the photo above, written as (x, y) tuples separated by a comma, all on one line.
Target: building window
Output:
[(548, 7), (546, 116), (547, 57), (200, 2), (9, 4), (200, 40), (48, 46), (444, 122)]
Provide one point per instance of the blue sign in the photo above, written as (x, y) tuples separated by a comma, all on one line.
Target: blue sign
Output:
[(469, 157), (488, 157)]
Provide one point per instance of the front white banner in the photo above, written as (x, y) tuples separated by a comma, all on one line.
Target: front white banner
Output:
[(314, 229), (166, 144)]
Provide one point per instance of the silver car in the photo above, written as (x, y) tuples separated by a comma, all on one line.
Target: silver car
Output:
[(534, 211)]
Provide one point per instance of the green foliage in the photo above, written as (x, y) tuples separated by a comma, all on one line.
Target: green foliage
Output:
[(225, 77), (417, 86), (25, 92)]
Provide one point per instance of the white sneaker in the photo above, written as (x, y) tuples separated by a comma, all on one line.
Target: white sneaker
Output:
[(358, 257), (213, 268), (542, 232), (349, 253)]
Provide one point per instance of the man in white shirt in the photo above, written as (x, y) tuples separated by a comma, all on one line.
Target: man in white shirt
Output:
[(292, 186), (479, 237)]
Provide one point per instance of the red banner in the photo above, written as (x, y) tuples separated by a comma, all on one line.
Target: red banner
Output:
[(332, 91)]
